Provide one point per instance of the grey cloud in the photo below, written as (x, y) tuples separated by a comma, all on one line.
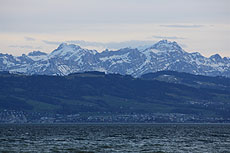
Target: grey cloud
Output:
[(25, 46), (44, 17), (86, 43), (182, 26), (109, 45), (113, 45), (131, 43), (29, 39), (51, 42), (21, 46), (166, 37)]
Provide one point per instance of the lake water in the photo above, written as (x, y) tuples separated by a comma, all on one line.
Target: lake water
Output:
[(152, 138)]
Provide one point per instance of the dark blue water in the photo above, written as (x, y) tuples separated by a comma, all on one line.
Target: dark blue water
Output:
[(172, 138)]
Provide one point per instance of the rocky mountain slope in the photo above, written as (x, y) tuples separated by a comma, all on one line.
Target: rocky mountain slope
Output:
[(70, 58)]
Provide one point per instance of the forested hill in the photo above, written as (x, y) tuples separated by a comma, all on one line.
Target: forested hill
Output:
[(92, 92)]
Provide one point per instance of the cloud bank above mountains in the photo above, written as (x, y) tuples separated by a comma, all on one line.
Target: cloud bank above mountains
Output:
[(199, 24)]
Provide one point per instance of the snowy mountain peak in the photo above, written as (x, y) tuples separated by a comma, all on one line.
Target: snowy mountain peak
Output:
[(165, 45), (36, 53), (65, 49), (65, 45), (216, 57)]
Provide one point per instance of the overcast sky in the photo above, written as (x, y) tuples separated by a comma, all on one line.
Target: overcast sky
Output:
[(197, 25)]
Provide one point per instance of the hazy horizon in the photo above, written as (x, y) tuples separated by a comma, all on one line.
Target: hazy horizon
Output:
[(197, 25)]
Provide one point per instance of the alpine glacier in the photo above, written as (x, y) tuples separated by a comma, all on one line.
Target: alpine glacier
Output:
[(70, 58)]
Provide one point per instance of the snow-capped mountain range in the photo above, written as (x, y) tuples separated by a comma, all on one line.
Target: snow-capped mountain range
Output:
[(70, 58)]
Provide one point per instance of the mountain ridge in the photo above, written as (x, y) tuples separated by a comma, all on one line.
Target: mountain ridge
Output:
[(71, 58)]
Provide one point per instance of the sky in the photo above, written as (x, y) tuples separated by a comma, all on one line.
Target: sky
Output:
[(197, 25)]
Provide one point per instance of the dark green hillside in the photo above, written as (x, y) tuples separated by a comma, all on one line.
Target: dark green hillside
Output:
[(198, 81), (93, 92)]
